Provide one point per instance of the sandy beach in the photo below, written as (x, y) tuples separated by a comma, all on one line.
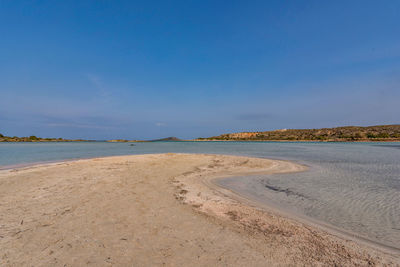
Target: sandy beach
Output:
[(155, 210)]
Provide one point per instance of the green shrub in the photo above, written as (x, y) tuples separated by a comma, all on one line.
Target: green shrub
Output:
[(383, 135)]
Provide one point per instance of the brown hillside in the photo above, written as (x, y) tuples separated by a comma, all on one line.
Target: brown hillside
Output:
[(347, 133)]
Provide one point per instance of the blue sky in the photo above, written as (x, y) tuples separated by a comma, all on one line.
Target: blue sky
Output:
[(149, 69)]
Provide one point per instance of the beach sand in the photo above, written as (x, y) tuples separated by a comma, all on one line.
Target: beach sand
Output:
[(151, 210)]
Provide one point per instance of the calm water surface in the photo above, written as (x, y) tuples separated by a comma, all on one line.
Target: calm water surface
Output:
[(354, 186)]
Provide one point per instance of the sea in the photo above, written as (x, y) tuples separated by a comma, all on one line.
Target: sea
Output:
[(354, 187)]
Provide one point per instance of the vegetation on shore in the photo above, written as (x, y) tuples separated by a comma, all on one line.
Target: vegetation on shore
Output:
[(338, 134), (33, 138)]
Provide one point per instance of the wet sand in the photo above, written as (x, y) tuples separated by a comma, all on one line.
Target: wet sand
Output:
[(150, 210)]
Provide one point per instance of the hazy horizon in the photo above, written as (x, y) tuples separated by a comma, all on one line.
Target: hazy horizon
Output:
[(134, 70)]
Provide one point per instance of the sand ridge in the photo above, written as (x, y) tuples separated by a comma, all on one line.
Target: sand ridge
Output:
[(152, 210)]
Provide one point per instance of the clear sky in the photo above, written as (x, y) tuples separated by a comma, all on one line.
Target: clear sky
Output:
[(149, 69)]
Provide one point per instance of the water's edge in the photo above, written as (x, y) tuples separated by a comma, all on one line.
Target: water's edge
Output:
[(355, 187), (269, 206), (266, 206)]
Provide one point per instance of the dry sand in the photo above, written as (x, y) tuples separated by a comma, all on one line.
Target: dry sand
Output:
[(151, 210)]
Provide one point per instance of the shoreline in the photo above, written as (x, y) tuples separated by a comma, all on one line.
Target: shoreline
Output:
[(213, 140), (194, 186), (269, 206), (36, 164), (303, 141)]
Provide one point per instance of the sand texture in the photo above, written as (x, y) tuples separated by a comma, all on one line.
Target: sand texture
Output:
[(155, 210)]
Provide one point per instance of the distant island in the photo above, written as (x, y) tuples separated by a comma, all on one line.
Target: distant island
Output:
[(167, 139), (33, 138), (123, 141), (170, 139), (338, 134)]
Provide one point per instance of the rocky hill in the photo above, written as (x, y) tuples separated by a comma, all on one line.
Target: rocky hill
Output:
[(173, 139), (347, 133)]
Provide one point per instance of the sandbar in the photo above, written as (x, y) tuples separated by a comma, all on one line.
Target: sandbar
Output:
[(157, 210)]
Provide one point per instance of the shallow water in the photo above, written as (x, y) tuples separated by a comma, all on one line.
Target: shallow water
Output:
[(354, 186)]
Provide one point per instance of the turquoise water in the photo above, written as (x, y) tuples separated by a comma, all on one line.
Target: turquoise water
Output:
[(354, 186)]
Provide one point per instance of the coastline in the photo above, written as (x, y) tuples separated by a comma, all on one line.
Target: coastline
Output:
[(187, 177), (21, 166), (303, 141), (213, 140), (245, 202), (269, 206)]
